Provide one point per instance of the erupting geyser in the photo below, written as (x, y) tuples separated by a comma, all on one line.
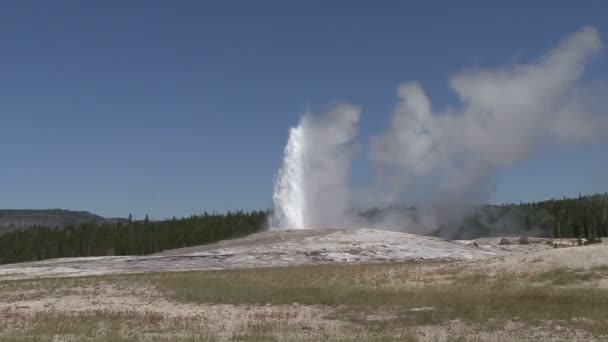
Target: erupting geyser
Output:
[(311, 189), (289, 195), (504, 115)]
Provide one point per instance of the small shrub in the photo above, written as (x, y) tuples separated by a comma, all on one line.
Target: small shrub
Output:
[(504, 241), (523, 240)]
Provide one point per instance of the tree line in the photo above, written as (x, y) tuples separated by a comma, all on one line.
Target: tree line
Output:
[(126, 237), (581, 217)]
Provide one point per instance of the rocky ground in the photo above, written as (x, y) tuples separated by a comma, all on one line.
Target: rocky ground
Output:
[(279, 248)]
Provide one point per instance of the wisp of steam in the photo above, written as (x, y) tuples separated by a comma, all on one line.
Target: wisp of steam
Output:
[(505, 115)]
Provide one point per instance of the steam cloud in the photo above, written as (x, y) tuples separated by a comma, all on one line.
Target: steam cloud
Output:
[(505, 115), (312, 187)]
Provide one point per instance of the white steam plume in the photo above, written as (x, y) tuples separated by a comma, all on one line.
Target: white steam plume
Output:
[(311, 189), (505, 115)]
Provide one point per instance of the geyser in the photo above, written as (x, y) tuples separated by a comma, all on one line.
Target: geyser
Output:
[(289, 198), (311, 189), (505, 115)]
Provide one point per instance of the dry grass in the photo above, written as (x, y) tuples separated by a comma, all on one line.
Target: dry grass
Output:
[(97, 325), (360, 290), (425, 301), (566, 276)]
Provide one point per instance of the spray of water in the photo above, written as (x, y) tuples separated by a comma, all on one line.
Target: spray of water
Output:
[(311, 189), (289, 195)]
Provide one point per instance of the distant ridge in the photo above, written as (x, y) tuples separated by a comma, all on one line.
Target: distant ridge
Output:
[(11, 219)]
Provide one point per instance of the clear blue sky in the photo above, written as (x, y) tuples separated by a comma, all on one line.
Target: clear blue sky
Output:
[(176, 107)]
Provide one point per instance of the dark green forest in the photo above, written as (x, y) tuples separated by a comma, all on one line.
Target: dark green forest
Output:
[(126, 238), (582, 217)]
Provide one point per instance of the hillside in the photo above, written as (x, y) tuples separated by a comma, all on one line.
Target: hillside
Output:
[(280, 248), (11, 219)]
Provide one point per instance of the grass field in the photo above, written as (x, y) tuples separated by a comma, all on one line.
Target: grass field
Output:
[(413, 301)]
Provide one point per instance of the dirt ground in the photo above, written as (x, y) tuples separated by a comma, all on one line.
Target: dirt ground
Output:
[(461, 291)]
